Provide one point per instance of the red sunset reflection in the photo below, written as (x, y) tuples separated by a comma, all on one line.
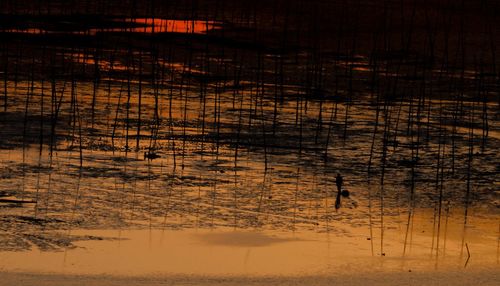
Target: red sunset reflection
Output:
[(153, 25)]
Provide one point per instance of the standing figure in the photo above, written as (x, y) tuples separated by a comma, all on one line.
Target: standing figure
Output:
[(338, 182)]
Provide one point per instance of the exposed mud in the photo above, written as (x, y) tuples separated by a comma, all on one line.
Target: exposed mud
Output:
[(240, 118)]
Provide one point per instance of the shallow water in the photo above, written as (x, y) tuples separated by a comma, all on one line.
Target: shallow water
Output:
[(129, 25), (256, 252), (248, 122)]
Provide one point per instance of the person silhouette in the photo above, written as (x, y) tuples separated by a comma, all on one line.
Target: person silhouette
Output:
[(338, 181)]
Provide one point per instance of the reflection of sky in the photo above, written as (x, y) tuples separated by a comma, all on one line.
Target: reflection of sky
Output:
[(151, 25), (258, 252), (141, 25)]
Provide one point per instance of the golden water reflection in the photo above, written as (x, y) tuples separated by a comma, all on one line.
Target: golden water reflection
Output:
[(228, 251)]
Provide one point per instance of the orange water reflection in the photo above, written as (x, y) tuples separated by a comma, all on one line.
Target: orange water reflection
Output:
[(228, 251), (154, 25), (140, 25)]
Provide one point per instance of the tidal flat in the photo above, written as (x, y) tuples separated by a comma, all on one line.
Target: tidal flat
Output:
[(198, 142)]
